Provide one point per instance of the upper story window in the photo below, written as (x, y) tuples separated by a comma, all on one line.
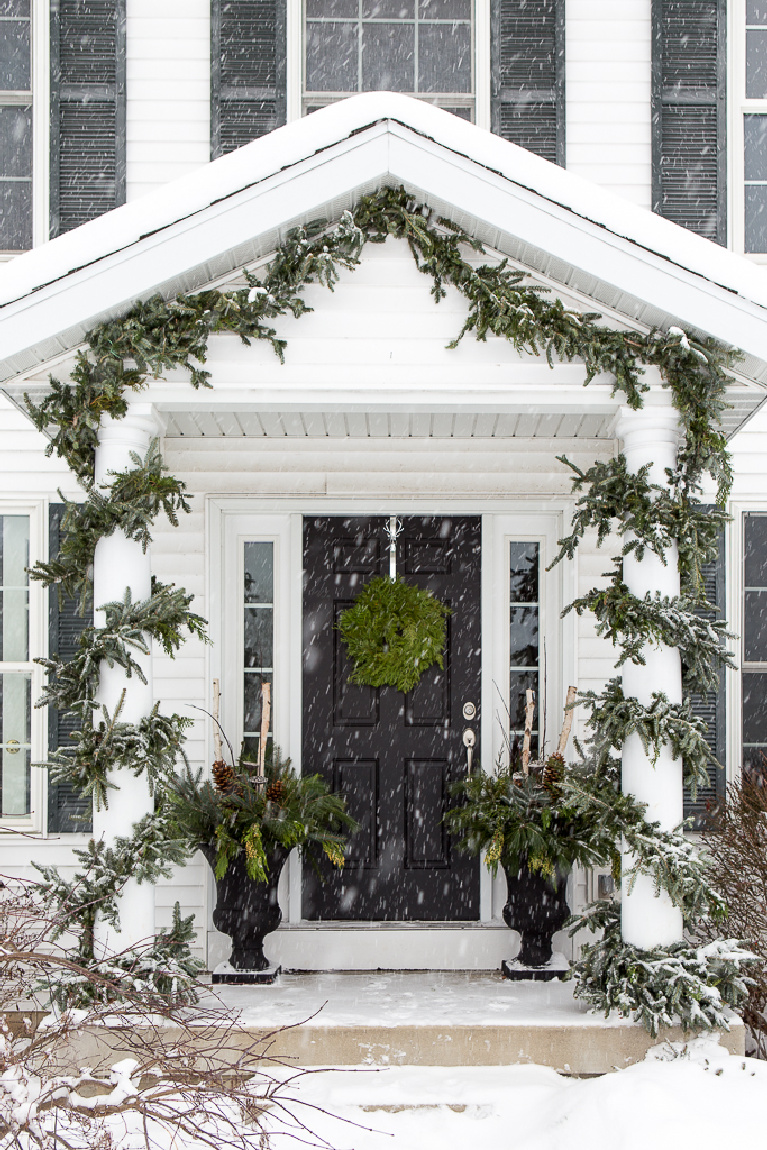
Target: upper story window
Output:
[(753, 90), (15, 125), (420, 47)]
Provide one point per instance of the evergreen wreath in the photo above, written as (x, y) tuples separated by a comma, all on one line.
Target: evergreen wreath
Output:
[(394, 632), (157, 335)]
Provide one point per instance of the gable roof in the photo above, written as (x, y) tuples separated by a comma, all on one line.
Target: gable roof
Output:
[(239, 208)]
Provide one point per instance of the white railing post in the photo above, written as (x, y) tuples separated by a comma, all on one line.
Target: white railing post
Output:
[(120, 562), (651, 436)]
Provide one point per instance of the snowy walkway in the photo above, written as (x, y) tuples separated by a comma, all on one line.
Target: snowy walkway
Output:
[(706, 1099)]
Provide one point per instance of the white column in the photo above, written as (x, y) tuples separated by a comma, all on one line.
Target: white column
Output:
[(651, 435), (118, 563)]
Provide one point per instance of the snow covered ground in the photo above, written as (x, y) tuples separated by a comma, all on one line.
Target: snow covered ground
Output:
[(697, 1095)]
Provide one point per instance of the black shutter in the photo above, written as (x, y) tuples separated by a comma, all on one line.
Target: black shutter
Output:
[(67, 810), (689, 115), (87, 110), (527, 53), (712, 707), (248, 61)]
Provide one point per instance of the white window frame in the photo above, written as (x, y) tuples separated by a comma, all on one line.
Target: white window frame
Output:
[(40, 99), (37, 820), (739, 106), (295, 61)]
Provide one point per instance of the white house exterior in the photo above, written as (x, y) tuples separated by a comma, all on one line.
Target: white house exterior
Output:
[(371, 416)]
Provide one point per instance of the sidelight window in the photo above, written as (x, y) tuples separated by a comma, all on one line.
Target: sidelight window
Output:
[(524, 650), (258, 637), (755, 643), (15, 667)]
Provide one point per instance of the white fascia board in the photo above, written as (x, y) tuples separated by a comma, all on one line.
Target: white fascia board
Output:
[(64, 310), (638, 272), (184, 233)]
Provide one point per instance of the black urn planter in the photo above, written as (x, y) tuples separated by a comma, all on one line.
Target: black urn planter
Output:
[(247, 910), (537, 908)]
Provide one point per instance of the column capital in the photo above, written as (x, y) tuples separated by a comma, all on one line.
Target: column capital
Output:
[(656, 422), (139, 426)]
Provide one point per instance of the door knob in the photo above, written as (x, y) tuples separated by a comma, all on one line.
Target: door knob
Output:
[(469, 740)]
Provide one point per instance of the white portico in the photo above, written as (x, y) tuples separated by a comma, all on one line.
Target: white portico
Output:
[(372, 415)]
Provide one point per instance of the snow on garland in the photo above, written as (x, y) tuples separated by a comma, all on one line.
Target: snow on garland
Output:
[(394, 632), (158, 335)]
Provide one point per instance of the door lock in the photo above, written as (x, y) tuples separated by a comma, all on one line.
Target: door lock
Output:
[(469, 739), (469, 711)]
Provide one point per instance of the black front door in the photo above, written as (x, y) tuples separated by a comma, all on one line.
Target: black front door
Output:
[(392, 755)]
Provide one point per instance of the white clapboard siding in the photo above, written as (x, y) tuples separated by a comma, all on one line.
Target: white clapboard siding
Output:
[(748, 459), (607, 52), (168, 91), (25, 470)]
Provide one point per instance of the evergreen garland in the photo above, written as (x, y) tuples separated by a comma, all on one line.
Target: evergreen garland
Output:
[(157, 335)]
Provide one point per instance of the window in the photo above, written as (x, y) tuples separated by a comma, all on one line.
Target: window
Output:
[(524, 619), (754, 631), (258, 637), (15, 125), (753, 93), (420, 47), (15, 668)]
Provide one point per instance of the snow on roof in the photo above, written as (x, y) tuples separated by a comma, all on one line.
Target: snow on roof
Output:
[(195, 228)]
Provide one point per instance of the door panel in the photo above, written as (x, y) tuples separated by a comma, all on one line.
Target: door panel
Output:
[(394, 756)]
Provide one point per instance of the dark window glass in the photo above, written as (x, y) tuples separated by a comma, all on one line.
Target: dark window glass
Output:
[(755, 551), (524, 572), (258, 636), (755, 147), (332, 57), (756, 218), (524, 646), (755, 642), (388, 57), (15, 215), (444, 58), (756, 64), (15, 58), (15, 143), (756, 12)]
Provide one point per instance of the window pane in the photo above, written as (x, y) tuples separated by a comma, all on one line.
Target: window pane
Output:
[(755, 550), (756, 217), (756, 64), (524, 637), (15, 60), (15, 141), (756, 12), (388, 58), (755, 150), (524, 572), (258, 637), (258, 572), (444, 58), (14, 588), (388, 9), (258, 628), (755, 708), (331, 57), (332, 8), (755, 626), (444, 9), (15, 738)]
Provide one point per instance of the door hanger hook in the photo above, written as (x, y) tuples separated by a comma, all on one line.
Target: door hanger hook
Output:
[(393, 529)]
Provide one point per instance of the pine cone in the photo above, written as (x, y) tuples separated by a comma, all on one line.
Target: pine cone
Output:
[(553, 773), (276, 792), (223, 776)]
